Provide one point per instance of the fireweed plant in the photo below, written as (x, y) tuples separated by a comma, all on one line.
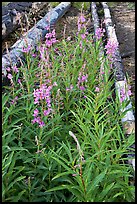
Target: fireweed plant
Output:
[(62, 134)]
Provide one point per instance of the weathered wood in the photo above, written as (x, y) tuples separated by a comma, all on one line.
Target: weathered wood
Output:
[(13, 14), (34, 35), (128, 121), (118, 66), (96, 24)]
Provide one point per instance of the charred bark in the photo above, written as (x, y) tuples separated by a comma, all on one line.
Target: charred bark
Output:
[(14, 13)]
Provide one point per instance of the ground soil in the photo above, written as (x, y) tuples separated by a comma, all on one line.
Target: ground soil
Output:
[(123, 17)]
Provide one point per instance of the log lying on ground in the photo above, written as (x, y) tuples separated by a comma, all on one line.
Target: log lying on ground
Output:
[(128, 121), (13, 14), (96, 27), (96, 24), (34, 35)]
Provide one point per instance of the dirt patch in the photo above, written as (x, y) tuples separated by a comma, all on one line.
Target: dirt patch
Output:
[(67, 25)]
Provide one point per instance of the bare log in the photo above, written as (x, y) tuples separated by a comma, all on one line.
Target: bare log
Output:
[(34, 35), (128, 121), (13, 14)]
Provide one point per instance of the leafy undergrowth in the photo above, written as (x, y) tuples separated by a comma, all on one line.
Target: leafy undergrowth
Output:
[(62, 135)]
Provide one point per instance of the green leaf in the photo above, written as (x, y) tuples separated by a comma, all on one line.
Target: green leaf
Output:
[(57, 188), (5, 98), (95, 183), (6, 162), (16, 180), (106, 191), (17, 198), (62, 174), (10, 132), (64, 165), (118, 194)]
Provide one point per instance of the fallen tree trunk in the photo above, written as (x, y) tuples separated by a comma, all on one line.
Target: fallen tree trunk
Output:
[(128, 121), (13, 14), (34, 35)]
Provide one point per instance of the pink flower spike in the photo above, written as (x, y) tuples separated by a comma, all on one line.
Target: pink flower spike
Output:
[(82, 19)]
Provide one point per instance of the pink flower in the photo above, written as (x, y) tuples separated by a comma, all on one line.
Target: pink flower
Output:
[(47, 27), (38, 119), (53, 33), (97, 89), (48, 35), (34, 120), (84, 78), (70, 88), (83, 36), (129, 92), (82, 88), (111, 47), (99, 33), (8, 69), (41, 124), (74, 174), (9, 76), (19, 81), (14, 100), (69, 38), (82, 19), (15, 69), (48, 43), (55, 84), (47, 112), (80, 44), (26, 49), (34, 55), (36, 112), (53, 40)]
